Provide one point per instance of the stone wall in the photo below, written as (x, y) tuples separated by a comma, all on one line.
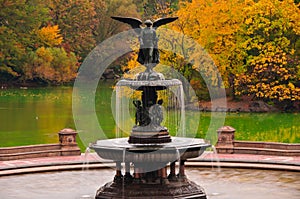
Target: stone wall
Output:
[(67, 146), (228, 145)]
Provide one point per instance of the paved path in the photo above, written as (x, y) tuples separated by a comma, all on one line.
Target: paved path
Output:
[(92, 161)]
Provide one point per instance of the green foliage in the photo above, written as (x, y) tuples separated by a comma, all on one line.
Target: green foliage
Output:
[(18, 22), (38, 37), (77, 21), (157, 8), (108, 27)]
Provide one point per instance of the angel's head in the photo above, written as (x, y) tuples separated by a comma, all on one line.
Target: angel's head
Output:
[(148, 23)]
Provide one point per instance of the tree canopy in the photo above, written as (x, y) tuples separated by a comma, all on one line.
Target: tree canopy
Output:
[(45, 41), (254, 43), (271, 38)]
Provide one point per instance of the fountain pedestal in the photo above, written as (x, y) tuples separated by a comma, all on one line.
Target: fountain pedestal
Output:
[(146, 169), (182, 190)]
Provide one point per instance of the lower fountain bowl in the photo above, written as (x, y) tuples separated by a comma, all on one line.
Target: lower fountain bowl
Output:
[(119, 150)]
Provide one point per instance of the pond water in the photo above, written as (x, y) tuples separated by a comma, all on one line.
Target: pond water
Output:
[(226, 184), (35, 115)]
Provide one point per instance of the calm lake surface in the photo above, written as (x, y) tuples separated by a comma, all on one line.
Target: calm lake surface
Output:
[(36, 115)]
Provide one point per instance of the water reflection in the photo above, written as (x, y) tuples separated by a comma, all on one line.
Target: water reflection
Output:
[(34, 116)]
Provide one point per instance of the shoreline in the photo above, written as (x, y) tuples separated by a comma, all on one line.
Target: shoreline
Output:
[(244, 105)]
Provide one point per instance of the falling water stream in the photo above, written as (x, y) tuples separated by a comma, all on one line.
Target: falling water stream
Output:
[(86, 168), (86, 158), (178, 157), (123, 184), (215, 157)]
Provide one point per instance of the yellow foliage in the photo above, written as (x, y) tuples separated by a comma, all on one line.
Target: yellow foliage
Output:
[(267, 80), (131, 64), (45, 54), (269, 33), (214, 25), (50, 35)]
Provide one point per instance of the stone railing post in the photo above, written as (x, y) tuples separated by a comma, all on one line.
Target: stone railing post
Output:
[(225, 139), (67, 140)]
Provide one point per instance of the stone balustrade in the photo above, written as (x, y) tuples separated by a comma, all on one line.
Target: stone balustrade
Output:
[(228, 145), (67, 146)]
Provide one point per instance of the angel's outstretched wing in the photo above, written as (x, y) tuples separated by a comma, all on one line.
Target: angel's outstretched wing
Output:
[(163, 21), (133, 22)]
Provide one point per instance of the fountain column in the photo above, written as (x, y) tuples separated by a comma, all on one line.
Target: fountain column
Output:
[(172, 175), (137, 174), (127, 176), (181, 174), (164, 179), (118, 177)]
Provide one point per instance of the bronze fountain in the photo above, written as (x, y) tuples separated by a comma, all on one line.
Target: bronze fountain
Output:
[(150, 152)]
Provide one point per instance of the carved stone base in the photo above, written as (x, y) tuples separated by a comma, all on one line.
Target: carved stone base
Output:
[(182, 190)]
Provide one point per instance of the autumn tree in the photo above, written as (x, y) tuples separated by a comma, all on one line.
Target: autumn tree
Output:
[(156, 8), (32, 47), (50, 62), (51, 65), (108, 27), (271, 36), (212, 24), (77, 21), (256, 42), (207, 22), (19, 21)]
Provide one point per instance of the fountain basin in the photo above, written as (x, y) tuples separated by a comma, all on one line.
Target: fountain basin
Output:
[(224, 184)]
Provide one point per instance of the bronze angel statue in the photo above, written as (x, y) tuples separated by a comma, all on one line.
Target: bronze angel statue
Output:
[(148, 53)]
